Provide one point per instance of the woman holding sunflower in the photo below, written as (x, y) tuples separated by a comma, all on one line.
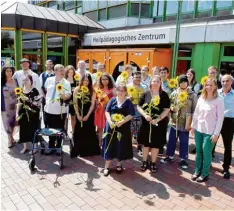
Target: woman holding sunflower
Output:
[(8, 103), (154, 106), (183, 103), (27, 113), (117, 137), (104, 92), (85, 139), (126, 76)]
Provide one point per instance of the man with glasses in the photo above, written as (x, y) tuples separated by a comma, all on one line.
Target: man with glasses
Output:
[(145, 78), (136, 121), (227, 131)]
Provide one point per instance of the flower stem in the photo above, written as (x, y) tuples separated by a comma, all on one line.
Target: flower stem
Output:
[(150, 124), (110, 140), (82, 107)]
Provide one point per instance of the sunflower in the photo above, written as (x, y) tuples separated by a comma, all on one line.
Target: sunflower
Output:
[(78, 95), (77, 77), (132, 91), (124, 75), (84, 89), (156, 100), (172, 83), (117, 117), (18, 91), (99, 92), (182, 96), (59, 87), (98, 74), (204, 79)]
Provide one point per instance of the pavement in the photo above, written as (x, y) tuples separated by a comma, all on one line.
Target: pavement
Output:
[(82, 186)]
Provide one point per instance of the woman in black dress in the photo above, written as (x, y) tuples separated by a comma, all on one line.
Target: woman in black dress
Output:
[(117, 143), (85, 139), (28, 110), (69, 75), (155, 122)]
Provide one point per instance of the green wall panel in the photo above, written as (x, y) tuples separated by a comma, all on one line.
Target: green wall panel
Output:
[(18, 48), (203, 56)]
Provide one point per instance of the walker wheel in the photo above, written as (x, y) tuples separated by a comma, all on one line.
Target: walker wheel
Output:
[(31, 164)]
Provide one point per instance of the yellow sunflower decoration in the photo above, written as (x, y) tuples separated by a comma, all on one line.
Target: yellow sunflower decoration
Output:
[(156, 100), (182, 96), (117, 117), (99, 92), (59, 88), (77, 77), (132, 91), (84, 89), (78, 95), (98, 74), (124, 75), (18, 91), (172, 83), (204, 79)]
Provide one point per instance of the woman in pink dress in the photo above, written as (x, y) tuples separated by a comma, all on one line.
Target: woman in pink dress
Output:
[(105, 92)]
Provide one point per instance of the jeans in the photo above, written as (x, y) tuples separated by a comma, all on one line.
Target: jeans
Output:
[(204, 148), (184, 140)]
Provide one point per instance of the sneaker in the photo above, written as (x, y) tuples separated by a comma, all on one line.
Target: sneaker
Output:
[(183, 164), (167, 160), (226, 175)]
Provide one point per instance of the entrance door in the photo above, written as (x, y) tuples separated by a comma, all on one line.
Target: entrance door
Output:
[(138, 58), (85, 55), (97, 56)]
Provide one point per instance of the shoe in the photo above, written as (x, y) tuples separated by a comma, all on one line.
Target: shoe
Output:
[(23, 151), (50, 152), (106, 172), (226, 175), (33, 152), (10, 145), (195, 176), (193, 151), (167, 160), (144, 166), (202, 179), (183, 164), (161, 152), (153, 167), (119, 169)]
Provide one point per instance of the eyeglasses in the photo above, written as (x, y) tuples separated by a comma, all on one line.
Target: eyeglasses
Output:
[(105, 79)]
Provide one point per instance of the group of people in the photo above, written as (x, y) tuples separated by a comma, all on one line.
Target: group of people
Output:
[(106, 115)]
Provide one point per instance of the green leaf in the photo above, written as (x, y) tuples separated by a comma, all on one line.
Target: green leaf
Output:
[(19, 117), (104, 135), (119, 136)]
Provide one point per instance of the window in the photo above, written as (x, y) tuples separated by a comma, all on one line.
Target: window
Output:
[(60, 5), (102, 14), (102, 4), (79, 10), (228, 51), (187, 6), (79, 3), (172, 7), (55, 43), (204, 5), (52, 4), (160, 8), (117, 11), (223, 4), (145, 10), (72, 11), (92, 15), (69, 5), (135, 9), (7, 40), (31, 41), (113, 3), (90, 5)]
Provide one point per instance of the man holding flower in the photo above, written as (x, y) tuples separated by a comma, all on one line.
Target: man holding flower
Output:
[(58, 90)]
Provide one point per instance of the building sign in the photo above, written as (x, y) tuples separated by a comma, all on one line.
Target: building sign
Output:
[(129, 37), (7, 62)]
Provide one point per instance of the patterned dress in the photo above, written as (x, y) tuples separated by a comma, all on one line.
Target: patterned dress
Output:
[(9, 113)]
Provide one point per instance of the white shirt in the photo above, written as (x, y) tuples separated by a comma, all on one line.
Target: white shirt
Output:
[(121, 80), (20, 74), (86, 71), (47, 73), (52, 105)]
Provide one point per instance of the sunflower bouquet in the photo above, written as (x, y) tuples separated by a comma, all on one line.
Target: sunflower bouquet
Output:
[(115, 118), (172, 83), (134, 94), (21, 97), (124, 76), (102, 97), (84, 98), (204, 79), (148, 108), (77, 78)]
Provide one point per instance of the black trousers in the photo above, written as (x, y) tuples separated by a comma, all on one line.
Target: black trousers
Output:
[(56, 122), (44, 114), (227, 133)]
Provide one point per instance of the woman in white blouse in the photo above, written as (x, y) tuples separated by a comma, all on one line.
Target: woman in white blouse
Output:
[(207, 123)]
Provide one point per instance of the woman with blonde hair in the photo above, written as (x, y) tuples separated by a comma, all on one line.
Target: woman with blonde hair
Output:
[(206, 125)]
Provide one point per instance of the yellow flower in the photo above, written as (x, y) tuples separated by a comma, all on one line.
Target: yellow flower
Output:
[(182, 96), (204, 79), (117, 117), (78, 95), (124, 75), (99, 92), (18, 91), (98, 74), (77, 77), (172, 83), (132, 91), (84, 89), (156, 100), (59, 87)]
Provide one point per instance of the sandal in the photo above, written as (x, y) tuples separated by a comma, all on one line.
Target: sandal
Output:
[(119, 169), (153, 167), (107, 171), (144, 166)]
